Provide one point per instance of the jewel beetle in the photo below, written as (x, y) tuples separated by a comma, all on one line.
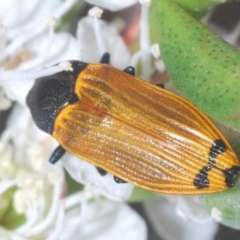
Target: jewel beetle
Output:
[(139, 132)]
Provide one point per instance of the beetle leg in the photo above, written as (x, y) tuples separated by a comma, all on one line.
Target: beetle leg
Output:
[(105, 58), (130, 70), (57, 154), (101, 171), (161, 85), (118, 180)]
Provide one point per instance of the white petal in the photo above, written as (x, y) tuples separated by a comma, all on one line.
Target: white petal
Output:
[(63, 48), (190, 208), (18, 90), (25, 131), (39, 183), (107, 220), (17, 15), (114, 44), (12, 20), (113, 5), (170, 226), (87, 174)]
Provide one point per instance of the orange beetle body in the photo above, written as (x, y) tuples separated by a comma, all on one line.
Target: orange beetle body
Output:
[(139, 132)]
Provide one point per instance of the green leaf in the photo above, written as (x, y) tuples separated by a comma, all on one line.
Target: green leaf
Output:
[(198, 6), (227, 203), (204, 68)]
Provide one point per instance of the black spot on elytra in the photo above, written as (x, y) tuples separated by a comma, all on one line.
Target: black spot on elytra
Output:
[(201, 179), (229, 175), (218, 147)]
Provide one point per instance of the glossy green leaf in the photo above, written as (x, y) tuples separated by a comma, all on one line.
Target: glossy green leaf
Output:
[(204, 68)]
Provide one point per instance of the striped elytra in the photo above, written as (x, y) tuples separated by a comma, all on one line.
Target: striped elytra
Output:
[(141, 133)]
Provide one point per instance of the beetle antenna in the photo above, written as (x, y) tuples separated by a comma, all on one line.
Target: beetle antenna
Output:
[(105, 58), (57, 154)]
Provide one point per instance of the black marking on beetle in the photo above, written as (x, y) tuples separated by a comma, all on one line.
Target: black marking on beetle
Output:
[(118, 180), (57, 154), (218, 147), (101, 171), (201, 179), (230, 174), (161, 85)]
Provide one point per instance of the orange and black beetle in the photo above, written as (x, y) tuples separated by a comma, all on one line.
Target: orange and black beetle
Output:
[(139, 132)]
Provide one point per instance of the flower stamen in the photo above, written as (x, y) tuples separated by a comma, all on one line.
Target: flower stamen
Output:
[(51, 214), (96, 13), (59, 222), (216, 214)]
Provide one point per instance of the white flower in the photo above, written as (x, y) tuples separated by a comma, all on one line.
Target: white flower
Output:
[(28, 43), (17, 82), (33, 184), (101, 219), (87, 174), (186, 221), (102, 37), (113, 5)]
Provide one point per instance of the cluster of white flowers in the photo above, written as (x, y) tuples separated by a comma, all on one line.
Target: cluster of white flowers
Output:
[(33, 203)]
